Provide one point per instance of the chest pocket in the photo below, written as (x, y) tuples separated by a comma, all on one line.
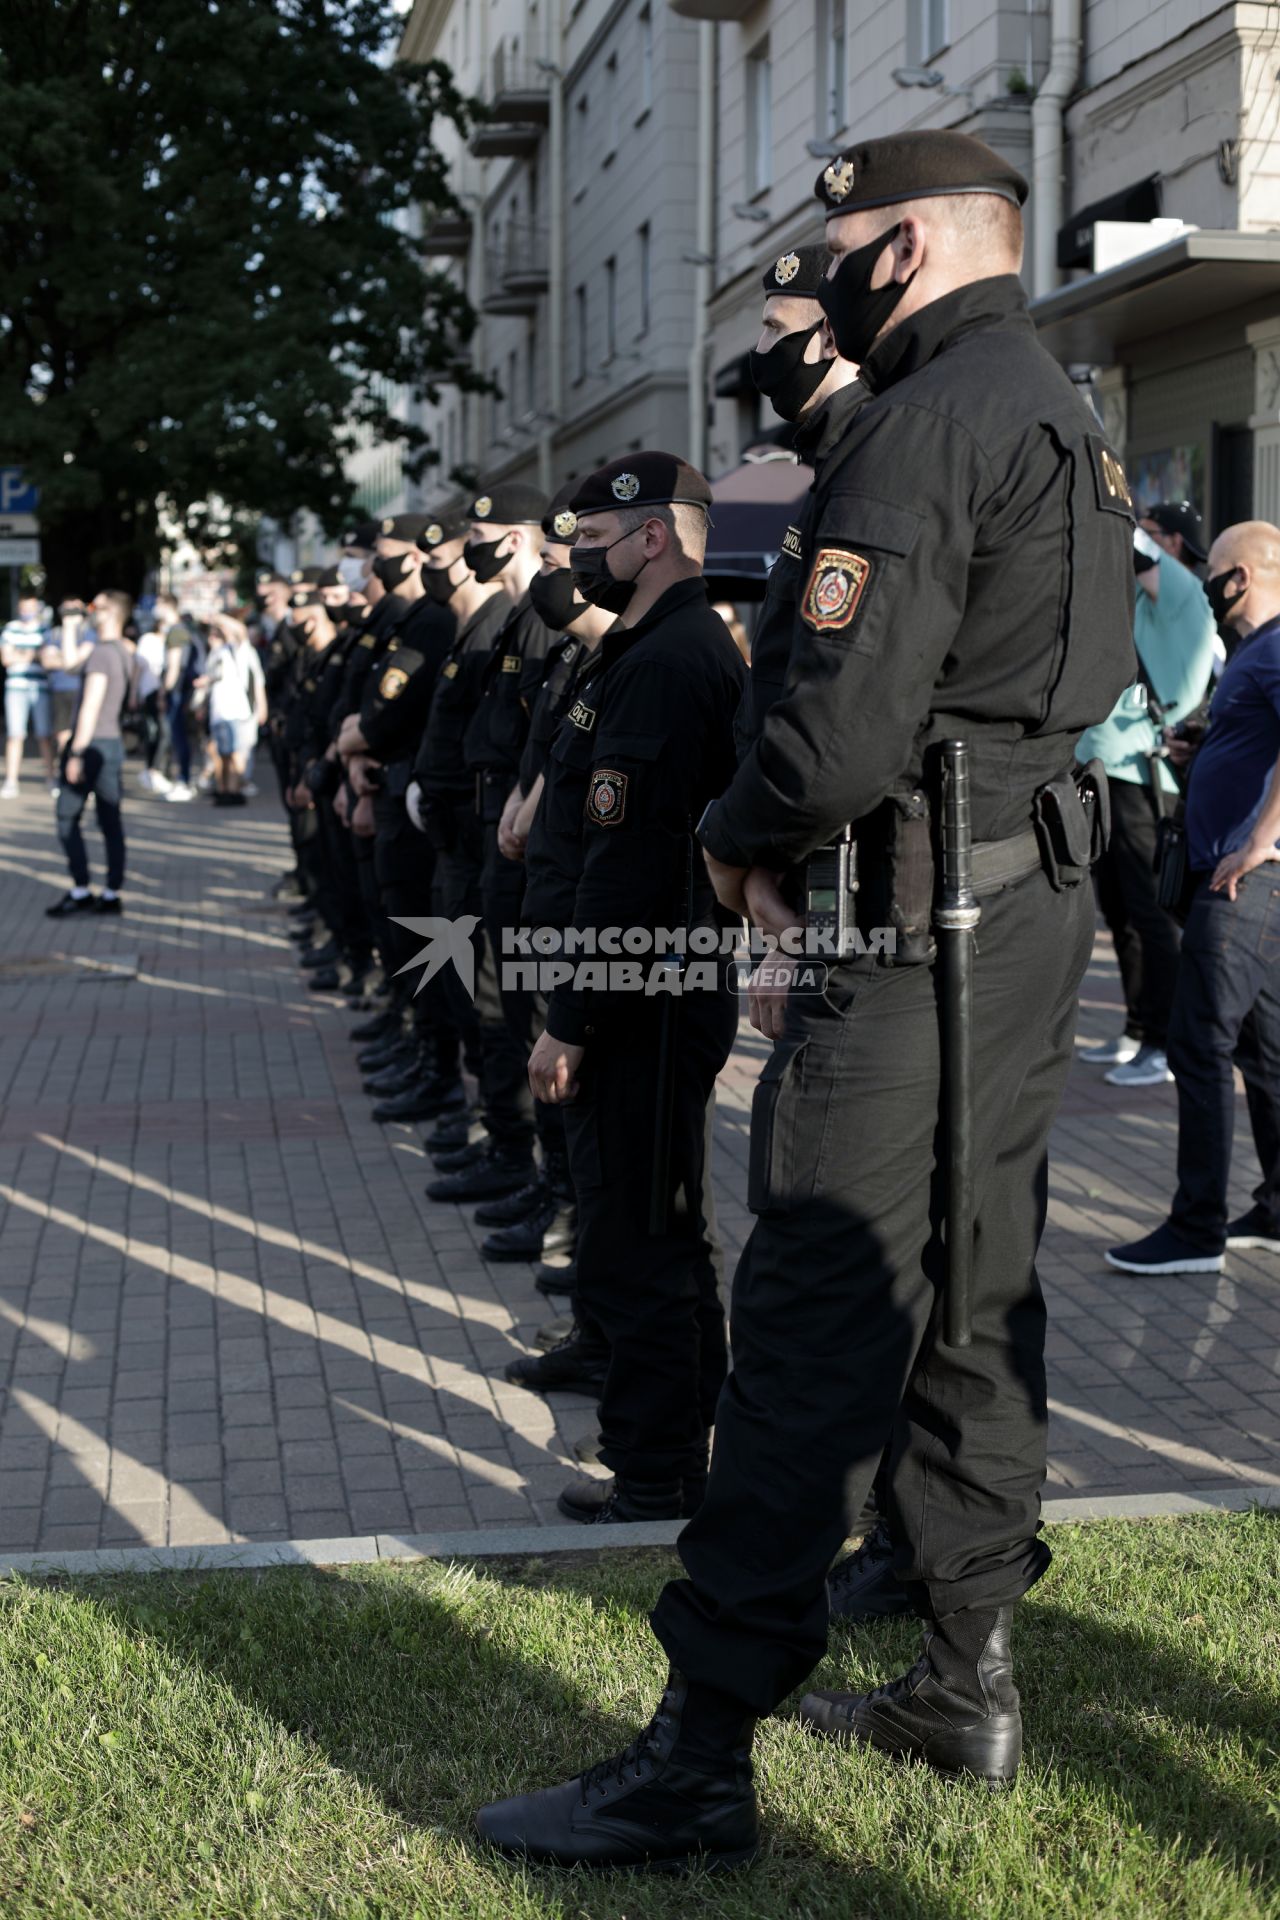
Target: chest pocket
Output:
[(573, 753), (846, 577)]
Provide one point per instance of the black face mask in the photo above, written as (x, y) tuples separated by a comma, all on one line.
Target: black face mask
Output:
[(440, 584), (855, 310), (1220, 601), (484, 559), (589, 567), (553, 598), (786, 379), (395, 570)]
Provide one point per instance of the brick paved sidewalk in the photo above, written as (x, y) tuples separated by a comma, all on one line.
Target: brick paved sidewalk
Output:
[(228, 1312)]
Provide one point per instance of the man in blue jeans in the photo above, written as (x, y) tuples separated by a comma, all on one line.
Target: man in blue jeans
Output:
[(1226, 1009), (94, 763)]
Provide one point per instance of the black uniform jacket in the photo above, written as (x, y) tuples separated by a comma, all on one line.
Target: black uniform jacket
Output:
[(441, 764), (398, 692), (499, 726), (639, 753), (967, 575)]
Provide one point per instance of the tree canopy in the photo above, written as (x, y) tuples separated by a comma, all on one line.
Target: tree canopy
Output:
[(204, 292)]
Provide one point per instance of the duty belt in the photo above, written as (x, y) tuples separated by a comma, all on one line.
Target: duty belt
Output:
[(998, 863)]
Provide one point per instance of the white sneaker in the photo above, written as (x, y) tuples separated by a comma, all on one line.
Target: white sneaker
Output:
[(1148, 1068), (206, 783), (249, 790), (144, 782), (179, 792), (9, 791), (160, 782), (1112, 1053)]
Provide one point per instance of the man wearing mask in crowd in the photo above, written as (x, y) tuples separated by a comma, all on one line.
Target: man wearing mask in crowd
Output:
[(1176, 647), (1226, 1006)]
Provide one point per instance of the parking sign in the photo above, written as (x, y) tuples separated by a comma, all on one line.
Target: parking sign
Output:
[(16, 495)]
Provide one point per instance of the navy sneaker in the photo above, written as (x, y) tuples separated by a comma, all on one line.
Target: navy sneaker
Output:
[(1163, 1251)]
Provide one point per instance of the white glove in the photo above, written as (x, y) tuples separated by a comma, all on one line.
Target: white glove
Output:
[(413, 805)]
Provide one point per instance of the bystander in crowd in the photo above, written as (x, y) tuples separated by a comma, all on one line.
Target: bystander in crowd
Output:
[(94, 762), (23, 645)]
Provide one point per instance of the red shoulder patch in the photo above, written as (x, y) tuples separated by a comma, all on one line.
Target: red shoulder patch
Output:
[(837, 582), (607, 797)]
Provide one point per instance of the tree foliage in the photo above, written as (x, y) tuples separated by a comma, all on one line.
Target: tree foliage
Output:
[(204, 293)]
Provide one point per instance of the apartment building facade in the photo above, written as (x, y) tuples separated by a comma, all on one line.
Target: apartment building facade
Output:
[(578, 190)]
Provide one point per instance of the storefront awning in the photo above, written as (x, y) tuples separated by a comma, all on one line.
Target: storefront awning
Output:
[(1198, 276)]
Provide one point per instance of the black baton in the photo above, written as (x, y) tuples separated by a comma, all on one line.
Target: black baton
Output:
[(957, 919)]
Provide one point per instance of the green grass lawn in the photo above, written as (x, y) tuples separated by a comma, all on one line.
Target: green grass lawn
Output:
[(312, 1744)]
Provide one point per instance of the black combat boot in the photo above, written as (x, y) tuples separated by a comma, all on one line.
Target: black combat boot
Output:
[(680, 1795), (381, 1026), (549, 1229), (405, 1070), (500, 1169), (463, 1153), (585, 1499), (514, 1207), (864, 1586), (395, 1051), (576, 1364), (957, 1709), (316, 957), (422, 1101), (558, 1275)]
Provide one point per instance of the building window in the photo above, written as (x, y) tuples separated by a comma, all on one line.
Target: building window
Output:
[(832, 67), (928, 29), (580, 333), (759, 119), (582, 170), (642, 237), (646, 58), (610, 109), (610, 308)]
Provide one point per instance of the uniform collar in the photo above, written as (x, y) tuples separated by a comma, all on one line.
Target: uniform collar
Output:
[(922, 336), (619, 639), (816, 435)]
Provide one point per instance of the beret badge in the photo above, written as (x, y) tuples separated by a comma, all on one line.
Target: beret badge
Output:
[(624, 487), (787, 268), (434, 534), (388, 526), (565, 525), (483, 507), (838, 178)]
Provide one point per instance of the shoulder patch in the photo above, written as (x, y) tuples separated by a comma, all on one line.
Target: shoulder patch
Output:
[(449, 670), (511, 663), (837, 582), (368, 640), (791, 543), (607, 797), (582, 716), (393, 683), (1109, 480)]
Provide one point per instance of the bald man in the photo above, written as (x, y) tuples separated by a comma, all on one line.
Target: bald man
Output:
[(1226, 1009)]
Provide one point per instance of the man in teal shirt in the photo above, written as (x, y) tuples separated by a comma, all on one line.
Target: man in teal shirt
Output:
[(1176, 645)]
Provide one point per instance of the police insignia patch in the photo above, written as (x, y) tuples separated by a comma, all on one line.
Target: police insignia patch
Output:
[(624, 486), (296, 575), (393, 683), (582, 716), (483, 507), (388, 526), (838, 178), (836, 585), (449, 670), (368, 640), (565, 525), (607, 797), (435, 534), (511, 663), (787, 269)]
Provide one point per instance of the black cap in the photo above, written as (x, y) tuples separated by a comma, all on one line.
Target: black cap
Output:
[(266, 579), (405, 526), (306, 576), (1179, 516), (450, 523), (509, 504), (798, 273), (329, 577), (641, 480), (560, 522), (365, 535), (306, 597), (915, 166)]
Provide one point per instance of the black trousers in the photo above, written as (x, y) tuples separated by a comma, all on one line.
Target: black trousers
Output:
[(102, 764), (836, 1316), (350, 922), (507, 1039), (1146, 937), (1227, 1013), (653, 1296), (404, 867), (505, 1102)]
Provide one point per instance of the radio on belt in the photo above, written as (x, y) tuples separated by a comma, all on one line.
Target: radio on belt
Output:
[(830, 889)]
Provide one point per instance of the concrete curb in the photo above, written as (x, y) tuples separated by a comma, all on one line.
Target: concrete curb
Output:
[(494, 1543)]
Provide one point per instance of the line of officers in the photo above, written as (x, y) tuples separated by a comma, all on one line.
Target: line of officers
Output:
[(509, 717), (960, 570)]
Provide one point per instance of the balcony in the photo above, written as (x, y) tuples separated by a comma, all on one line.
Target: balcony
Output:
[(504, 140), (714, 9), (449, 235), (517, 273), (521, 90)]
